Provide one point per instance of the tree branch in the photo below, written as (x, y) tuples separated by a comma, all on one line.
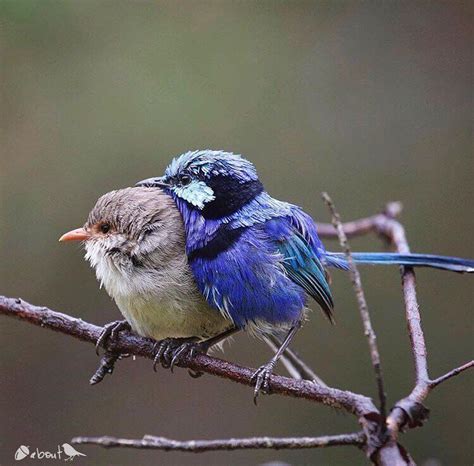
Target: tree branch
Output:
[(409, 411), (362, 226), (198, 446), (383, 450), (451, 373), (362, 302), (127, 342)]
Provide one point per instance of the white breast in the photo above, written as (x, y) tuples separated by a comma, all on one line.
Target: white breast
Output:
[(162, 303)]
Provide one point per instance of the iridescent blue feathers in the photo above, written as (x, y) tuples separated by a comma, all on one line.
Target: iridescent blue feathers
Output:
[(254, 258)]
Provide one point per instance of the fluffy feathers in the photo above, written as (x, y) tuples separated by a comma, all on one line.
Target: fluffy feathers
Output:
[(142, 264)]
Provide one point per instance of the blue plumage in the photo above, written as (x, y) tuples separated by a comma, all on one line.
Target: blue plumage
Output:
[(255, 258)]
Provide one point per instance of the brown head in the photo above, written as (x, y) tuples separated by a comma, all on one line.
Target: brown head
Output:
[(131, 232)]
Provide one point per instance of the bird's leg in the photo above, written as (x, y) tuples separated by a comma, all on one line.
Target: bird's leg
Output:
[(263, 373), (171, 350), (295, 366), (110, 332)]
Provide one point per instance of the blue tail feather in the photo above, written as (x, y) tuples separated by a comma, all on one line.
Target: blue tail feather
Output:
[(454, 264)]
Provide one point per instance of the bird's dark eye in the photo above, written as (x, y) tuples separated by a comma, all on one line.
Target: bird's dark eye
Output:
[(185, 180), (104, 228)]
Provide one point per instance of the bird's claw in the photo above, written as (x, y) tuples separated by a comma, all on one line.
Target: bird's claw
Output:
[(261, 377), (110, 332), (171, 351), (158, 350)]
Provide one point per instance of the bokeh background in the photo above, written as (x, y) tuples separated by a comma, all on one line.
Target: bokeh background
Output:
[(370, 101)]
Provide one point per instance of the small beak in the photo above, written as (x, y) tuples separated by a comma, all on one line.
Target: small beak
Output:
[(79, 234), (154, 183)]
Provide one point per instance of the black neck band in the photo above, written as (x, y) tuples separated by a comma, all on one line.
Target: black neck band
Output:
[(224, 239), (231, 195)]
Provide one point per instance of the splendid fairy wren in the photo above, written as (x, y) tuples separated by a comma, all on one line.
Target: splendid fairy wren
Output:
[(256, 259)]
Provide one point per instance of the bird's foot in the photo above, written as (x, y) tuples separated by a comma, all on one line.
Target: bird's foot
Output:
[(171, 351), (110, 332), (261, 377)]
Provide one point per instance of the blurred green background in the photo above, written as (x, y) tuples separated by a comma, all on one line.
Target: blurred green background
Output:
[(370, 101)]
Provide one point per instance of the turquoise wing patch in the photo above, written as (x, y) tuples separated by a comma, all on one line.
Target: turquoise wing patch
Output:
[(304, 268)]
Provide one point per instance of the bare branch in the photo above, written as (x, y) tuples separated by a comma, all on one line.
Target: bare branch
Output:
[(106, 366), (450, 374), (362, 226), (378, 446), (362, 302), (410, 409), (198, 446), (130, 343)]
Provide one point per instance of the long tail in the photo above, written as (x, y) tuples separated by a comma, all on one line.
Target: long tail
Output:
[(455, 264)]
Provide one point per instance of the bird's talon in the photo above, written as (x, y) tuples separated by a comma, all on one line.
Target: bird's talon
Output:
[(169, 352), (166, 356), (177, 354), (159, 348), (262, 380), (110, 332)]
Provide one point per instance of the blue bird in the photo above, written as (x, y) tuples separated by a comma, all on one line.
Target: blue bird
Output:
[(256, 259)]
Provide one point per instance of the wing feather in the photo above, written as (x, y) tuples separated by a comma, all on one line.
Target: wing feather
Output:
[(304, 267)]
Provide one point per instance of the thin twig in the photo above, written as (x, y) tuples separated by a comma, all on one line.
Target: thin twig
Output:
[(362, 302), (451, 373), (363, 226), (199, 446), (106, 366), (409, 411)]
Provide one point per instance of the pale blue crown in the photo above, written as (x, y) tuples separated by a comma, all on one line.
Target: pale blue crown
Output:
[(209, 163)]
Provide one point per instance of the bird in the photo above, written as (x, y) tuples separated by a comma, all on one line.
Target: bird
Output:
[(257, 259), (134, 239), (71, 452)]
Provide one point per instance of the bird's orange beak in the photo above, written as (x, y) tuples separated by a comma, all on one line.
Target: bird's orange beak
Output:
[(79, 234)]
